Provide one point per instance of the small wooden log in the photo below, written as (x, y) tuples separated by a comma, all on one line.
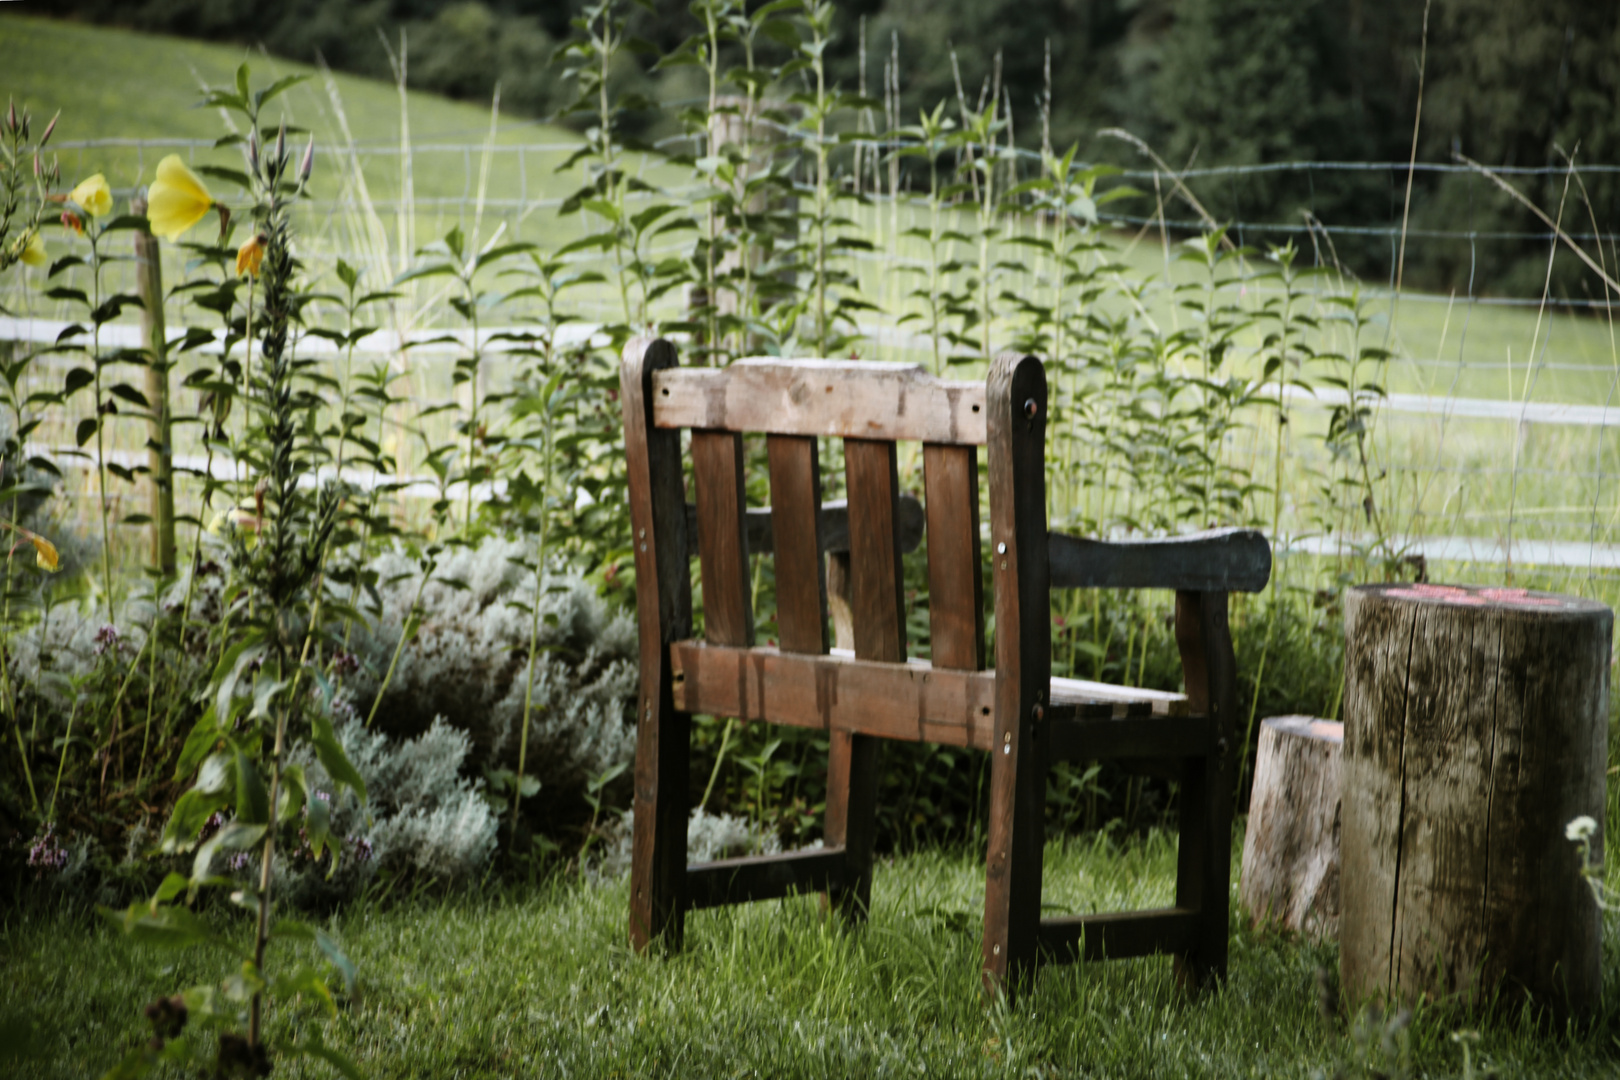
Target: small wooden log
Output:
[(1291, 848), (160, 448), (1476, 728)]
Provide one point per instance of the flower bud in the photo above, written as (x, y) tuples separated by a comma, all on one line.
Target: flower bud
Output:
[(307, 166), (11, 115), (253, 151), (50, 127), (281, 144)]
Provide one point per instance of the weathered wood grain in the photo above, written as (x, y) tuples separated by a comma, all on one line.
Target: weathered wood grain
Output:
[(913, 701), (1016, 451), (1375, 678), (840, 398), (1475, 729), (801, 587), (1220, 560), (717, 473), (1290, 875), (877, 608), (664, 615), (955, 591)]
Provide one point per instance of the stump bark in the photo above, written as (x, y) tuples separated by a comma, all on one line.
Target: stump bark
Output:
[(1291, 846), (1475, 730)]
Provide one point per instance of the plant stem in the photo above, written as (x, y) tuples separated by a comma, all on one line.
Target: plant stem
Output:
[(725, 739), (61, 763), (534, 615), (404, 633), (101, 452)]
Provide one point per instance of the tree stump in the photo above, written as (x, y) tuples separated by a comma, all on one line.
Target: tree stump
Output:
[(1291, 847), (1475, 730)]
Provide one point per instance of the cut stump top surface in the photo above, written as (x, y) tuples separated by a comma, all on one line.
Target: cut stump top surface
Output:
[(1308, 727), (1527, 601)]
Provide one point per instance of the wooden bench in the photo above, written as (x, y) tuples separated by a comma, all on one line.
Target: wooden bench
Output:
[(1016, 712)]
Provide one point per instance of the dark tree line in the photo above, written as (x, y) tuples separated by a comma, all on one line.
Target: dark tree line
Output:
[(1206, 82)]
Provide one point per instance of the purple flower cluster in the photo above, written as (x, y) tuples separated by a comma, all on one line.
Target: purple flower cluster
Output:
[(106, 638), (47, 853), (359, 848)]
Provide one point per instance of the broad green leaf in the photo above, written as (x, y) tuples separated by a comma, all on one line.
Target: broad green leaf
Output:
[(191, 811), (252, 800), (332, 758), (204, 735), (233, 837)]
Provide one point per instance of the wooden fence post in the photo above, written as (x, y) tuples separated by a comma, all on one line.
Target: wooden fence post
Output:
[(160, 451)]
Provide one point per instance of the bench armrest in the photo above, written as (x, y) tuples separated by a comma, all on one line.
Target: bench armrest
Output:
[(1220, 560), (834, 527)]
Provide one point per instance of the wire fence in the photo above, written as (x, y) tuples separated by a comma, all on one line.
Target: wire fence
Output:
[(1502, 419)]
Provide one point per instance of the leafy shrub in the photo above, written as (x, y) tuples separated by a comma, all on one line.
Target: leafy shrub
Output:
[(467, 664), (424, 816)]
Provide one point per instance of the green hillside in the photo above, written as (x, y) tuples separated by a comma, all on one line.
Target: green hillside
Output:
[(117, 84)]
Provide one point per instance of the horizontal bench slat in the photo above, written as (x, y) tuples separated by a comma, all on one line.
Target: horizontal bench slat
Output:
[(910, 702), (1221, 560), (1163, 702), (1146, 736), (913, 702), (1118, 934), (763, 877), (839, 398)]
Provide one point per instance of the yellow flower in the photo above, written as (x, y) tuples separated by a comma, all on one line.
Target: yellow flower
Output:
[(93, 195), (177, 200), (45, 553), (33, 252), (250, 255)]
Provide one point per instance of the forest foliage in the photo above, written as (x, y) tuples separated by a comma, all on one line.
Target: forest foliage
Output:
[(1511, 83)]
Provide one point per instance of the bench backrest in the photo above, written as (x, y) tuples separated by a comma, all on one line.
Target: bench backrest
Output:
[(870, 406)]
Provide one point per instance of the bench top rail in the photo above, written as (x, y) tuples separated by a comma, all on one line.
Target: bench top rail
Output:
[(838, 398)]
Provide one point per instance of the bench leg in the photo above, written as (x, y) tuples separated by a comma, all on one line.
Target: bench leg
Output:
[(658, 857), (851, 821), (1204, 863), (1012, 887)]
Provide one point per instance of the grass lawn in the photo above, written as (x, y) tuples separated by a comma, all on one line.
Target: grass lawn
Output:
[(539, 981)]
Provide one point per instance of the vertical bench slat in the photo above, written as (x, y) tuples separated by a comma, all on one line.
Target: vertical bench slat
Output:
[(876, 587), (801, 588), (955, 591), (717, 469), (876, 603)]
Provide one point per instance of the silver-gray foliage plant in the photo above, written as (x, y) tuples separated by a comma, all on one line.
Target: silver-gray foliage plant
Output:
[(469, 657), (424, 815)]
